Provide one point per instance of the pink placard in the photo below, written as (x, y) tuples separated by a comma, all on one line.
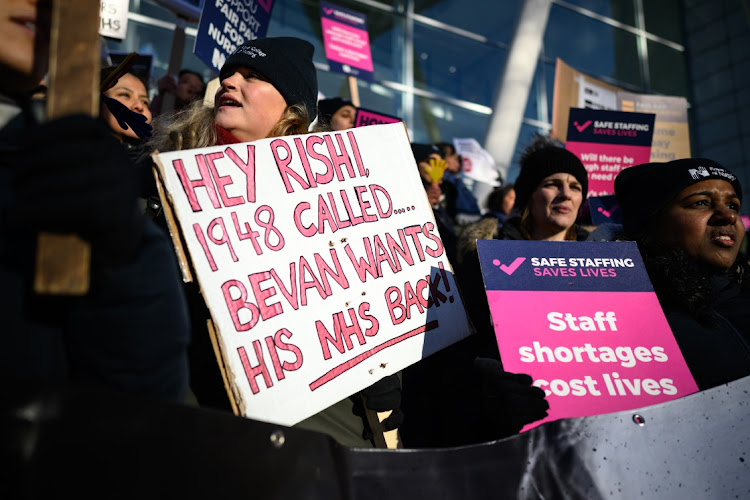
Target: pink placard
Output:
[(591, 352), (604, 161), (347, 45)]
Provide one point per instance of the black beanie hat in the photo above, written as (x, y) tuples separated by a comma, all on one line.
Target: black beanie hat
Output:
[(328, 107), (542, 163), (644, 190), (287, 63), (423, 151)]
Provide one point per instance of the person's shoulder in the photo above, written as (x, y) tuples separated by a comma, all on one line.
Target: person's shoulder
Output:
[(602, 232), (511, 229)]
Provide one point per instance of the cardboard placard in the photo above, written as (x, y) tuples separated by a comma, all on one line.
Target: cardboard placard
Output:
[(573, 89), (583, 320), (319, 260)]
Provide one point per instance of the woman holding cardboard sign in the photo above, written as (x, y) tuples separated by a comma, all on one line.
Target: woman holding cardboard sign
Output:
[(268, 88), (684, 215), (550, 191)]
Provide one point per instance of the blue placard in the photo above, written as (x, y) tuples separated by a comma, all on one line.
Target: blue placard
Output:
[(605, 209), (563, 266), (227, 24), (610, 127)]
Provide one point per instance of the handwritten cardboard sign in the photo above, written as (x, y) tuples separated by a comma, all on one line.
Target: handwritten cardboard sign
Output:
[(346, 41), (319, 259), (226, 24), (607, 142), (583, 320)]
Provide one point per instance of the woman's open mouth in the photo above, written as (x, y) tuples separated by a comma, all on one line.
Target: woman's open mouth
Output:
[(228, 101), (723, 238)]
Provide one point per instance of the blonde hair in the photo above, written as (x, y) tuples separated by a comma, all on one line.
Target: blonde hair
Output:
[(194, 127)]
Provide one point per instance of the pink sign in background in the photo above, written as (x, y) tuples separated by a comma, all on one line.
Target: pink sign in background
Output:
[(604, 161), (346, 44), (366, 117), (592, 352)]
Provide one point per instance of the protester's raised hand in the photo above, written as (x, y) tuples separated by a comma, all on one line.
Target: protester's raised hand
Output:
[(71, 176), (509, 400)]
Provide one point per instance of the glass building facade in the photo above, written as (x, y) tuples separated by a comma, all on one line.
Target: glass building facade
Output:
[(438, 64)]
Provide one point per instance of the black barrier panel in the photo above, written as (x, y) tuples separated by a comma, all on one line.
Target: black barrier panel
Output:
[(87, 442)]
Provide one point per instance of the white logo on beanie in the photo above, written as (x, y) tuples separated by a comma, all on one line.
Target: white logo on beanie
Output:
[(250, 51), (720, 172), (697, 173)]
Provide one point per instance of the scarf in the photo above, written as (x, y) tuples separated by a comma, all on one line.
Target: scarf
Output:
[(223, 137)]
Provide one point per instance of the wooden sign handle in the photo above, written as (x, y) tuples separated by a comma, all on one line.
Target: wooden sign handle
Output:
[(382, 438), (63, 261), (353, 90)]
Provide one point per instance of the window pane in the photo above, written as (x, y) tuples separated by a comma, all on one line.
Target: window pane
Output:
[(667, 69), (592, 47), (453, 66), (494, 19), (661, 19), (437, 121), (525, 137), (619, 10)]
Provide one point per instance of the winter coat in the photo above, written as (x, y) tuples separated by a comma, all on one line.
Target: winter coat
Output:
[(130, 332)]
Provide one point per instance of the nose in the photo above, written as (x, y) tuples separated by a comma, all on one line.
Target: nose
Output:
[(565, 191), (138, 106), (724, 216), (230, 82)]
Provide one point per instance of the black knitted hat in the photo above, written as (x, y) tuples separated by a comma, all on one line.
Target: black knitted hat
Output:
[(542, 163), (644, 190), (328, 107), (287, 63), (423, 151)]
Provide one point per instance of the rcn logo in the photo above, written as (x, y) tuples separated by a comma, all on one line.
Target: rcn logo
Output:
[(511, 268)]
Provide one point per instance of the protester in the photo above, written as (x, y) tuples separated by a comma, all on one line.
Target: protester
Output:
[(335, 114), (69, 175), (500, 203), (684, 215), (268, 89), (550, 190), (130, 90), (460, 202), (426, 155), (188, 88), (461, 394)]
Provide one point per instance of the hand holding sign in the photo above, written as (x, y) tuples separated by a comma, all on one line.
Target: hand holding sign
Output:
[(90, 189), (509, 400)]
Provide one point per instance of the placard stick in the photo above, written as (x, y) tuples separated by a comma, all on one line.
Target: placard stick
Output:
[(63, 261), (382, 437), (353, 90)]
